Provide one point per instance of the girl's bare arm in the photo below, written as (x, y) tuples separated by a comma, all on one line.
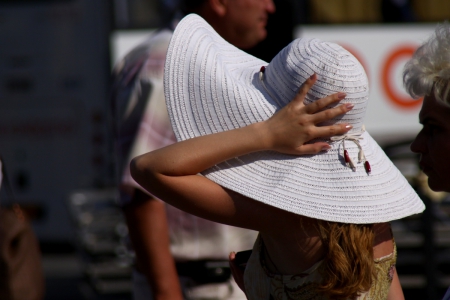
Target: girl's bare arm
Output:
[(170, 173)]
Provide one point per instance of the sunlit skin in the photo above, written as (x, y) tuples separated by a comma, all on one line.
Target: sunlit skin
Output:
[(433, 143)]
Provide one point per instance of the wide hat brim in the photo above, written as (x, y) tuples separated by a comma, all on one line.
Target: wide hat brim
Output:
[(212, 86)]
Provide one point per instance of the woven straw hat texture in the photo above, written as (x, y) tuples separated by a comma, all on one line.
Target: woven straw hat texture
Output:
[(212, 86)]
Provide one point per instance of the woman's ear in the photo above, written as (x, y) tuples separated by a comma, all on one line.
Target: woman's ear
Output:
[(220, 7)]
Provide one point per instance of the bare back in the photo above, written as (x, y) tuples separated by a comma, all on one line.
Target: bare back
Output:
[(293, 241), (297, 246)]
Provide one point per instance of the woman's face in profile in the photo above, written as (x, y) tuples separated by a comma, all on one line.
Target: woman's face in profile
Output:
[(433, 143)]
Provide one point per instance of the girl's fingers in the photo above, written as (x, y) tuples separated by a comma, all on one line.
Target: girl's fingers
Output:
[(320, 104), (332, 130), (231, 261), (325, 131), (331, 113), (305, 120), (306, 86), (238, 274), (232, 256), (313, 148)]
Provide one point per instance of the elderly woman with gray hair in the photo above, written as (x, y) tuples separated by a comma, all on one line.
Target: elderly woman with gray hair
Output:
[(427, 74)]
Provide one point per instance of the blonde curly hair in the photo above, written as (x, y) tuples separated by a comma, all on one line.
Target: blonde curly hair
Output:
[(348, 265), (429, 68)]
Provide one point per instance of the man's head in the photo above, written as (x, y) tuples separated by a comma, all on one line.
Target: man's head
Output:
[(240, 22)]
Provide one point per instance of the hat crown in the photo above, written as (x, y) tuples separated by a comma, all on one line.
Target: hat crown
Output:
[(337, 71)]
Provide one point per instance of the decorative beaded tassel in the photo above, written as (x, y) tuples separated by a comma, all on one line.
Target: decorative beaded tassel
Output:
[(361, 156), (347, 158)]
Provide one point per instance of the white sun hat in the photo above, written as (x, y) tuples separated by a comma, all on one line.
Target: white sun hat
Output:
[(212, 86)]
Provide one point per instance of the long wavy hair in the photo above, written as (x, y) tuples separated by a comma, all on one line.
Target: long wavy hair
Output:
[(348, 268)]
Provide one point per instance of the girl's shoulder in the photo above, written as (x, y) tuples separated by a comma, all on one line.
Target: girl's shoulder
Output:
[(383, 244)]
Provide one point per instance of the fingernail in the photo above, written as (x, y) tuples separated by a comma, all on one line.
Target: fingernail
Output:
[(349, 105), (326, 147), (341, 95), (312, 76), (348, 126)]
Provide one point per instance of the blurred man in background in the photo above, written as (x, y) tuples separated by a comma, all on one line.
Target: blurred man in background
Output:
[(177, 255)]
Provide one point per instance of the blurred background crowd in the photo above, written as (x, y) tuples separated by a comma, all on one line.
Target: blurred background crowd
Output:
[(56, 135)]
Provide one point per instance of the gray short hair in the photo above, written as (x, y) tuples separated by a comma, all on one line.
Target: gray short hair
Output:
[(429, 68)]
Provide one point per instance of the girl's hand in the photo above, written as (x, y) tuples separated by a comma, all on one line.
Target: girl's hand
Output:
[(295, 124), (237, 273)]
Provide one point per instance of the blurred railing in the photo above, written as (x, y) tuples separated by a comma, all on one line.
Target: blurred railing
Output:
[(102, 240)]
